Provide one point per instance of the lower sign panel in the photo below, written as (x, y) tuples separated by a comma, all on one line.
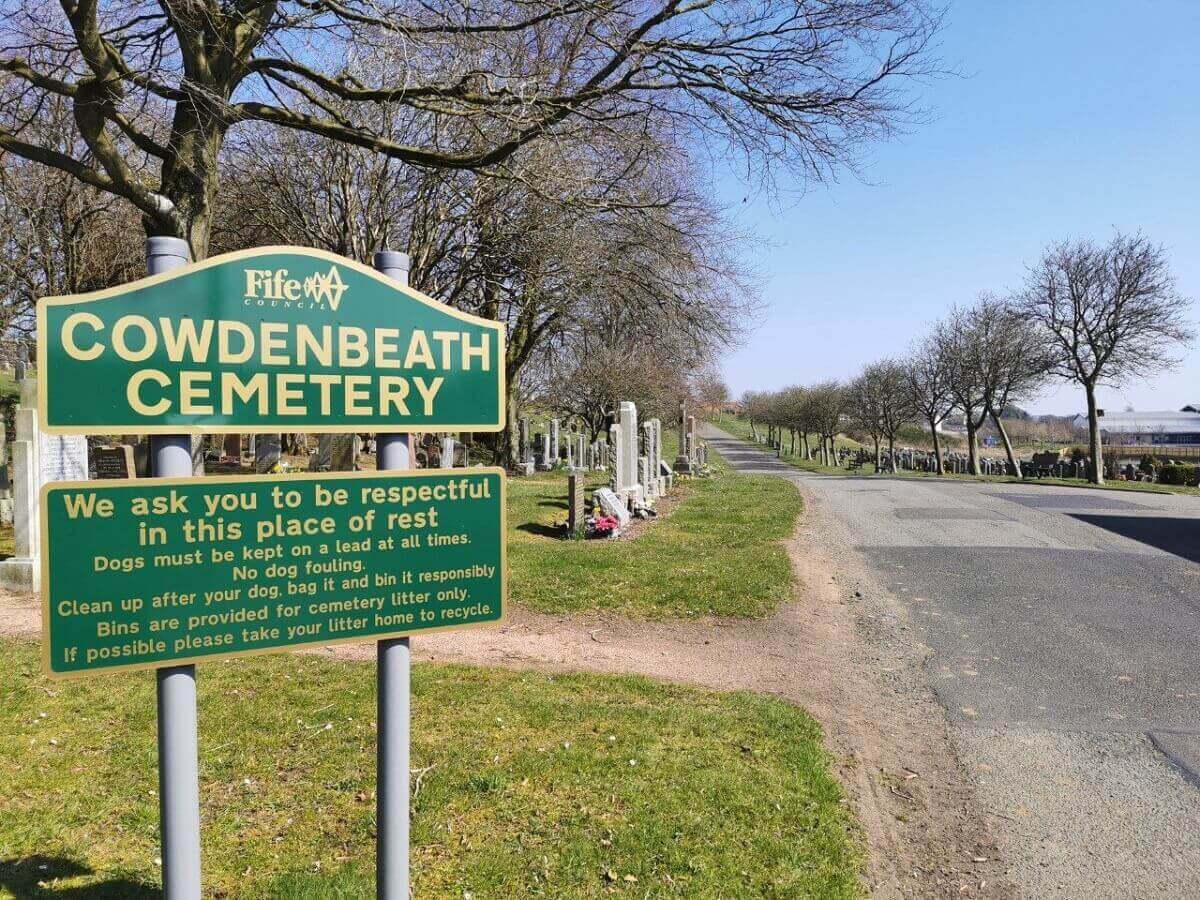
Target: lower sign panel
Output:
[(149, 573)]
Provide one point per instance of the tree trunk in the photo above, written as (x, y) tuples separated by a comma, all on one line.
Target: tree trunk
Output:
[(878, 454), (1008, 448), (793, 431), (972, 449), (1097, 450), (937, 447), (892, 454)]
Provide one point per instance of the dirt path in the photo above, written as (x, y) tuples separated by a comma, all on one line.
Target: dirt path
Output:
[(839, 650)]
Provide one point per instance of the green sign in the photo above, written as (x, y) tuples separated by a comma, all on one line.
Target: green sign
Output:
[(147, 573), (271, 339)]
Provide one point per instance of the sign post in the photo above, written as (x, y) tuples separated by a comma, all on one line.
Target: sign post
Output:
[(394, 691), (163, 573), (178, 744)]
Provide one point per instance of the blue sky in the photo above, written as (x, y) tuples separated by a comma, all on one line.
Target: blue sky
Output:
[(1070, 119)]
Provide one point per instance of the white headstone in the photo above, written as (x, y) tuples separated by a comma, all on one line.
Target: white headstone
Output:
[(612, 505), (626, 478)]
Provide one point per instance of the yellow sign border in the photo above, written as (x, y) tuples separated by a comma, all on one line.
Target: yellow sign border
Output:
[(44, 527), (220, 428)]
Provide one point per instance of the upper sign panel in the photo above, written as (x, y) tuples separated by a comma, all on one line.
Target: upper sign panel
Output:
[(271, 339)]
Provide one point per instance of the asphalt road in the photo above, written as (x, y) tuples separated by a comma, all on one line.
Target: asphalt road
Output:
[(1063, 631)]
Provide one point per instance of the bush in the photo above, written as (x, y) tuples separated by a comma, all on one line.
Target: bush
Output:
[(1150, 463), (1078, 455), (1177, 474)]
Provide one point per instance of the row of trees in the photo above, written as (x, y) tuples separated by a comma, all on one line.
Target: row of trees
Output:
[(1092, 314), (544, 164)]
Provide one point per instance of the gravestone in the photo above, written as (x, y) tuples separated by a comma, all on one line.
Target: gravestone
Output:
[(232, 446), (612, 505), (683, 461), (666, 473), (343, 451), (626, 475), (648, 493), (581, 459), (554, 438), (547, 461), (322, 460), (114, 461), (448, 445), (575, 507), (38, 459), (524, 450), (267, 450)]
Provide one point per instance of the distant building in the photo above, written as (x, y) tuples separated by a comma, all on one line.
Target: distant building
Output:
[(1154, 428)]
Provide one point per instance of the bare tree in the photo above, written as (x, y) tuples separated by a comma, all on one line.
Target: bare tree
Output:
[(882, 404), (797, 84), (827, 405), (1013, 361), (863, 404), (929, 391), (1111, 313), (957, 343)]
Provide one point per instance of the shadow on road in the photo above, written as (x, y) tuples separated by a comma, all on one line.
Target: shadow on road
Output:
[(1179, 536)]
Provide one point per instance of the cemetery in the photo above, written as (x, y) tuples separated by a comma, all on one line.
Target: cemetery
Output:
[(650, 494)]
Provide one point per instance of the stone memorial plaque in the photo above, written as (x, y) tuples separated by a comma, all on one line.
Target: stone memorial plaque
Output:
[(62, 457)]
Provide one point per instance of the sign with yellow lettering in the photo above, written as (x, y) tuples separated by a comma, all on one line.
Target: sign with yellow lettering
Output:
[(270, 339)]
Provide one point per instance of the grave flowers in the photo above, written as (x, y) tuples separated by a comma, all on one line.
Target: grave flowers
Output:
[(602, 526)]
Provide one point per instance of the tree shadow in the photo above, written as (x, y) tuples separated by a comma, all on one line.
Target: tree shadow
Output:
[(24, 878), (557, 504), (553, 531), (1174, 535)]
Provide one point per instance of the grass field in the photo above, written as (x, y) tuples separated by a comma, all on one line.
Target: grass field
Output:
[(741, 428), (529, 785), (717, 553)]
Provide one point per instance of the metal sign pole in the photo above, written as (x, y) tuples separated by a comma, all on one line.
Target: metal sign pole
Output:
[(393, 451), (178, 765)]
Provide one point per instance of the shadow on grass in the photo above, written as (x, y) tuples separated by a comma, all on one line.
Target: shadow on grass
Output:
[(29, 877), (552, 531), (557, 504)]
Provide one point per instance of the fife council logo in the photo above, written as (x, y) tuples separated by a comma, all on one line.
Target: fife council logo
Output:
[(275, 287)]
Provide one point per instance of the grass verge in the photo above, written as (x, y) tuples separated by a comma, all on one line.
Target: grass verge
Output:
[(718, 552), (529, 785), (740, 428)]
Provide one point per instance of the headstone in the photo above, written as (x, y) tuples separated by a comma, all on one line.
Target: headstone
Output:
[(666, 473), (614, 457), (612, 505), (198, 450), (343, 452), (627, 484), (448, 452), (114, 462), (267, 450), (37, 459), (581, 459), (232, 446), (683, 461), (322, 460), (554, 437), (575, 507), (523, 445), (547, 460), (648, 492)]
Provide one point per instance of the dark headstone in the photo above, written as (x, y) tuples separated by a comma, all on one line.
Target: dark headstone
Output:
[(575, 508), (114, 462)]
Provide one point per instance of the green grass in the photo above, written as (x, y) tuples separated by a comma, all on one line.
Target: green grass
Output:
[(740, 428), (719, 552), (531, 785)]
